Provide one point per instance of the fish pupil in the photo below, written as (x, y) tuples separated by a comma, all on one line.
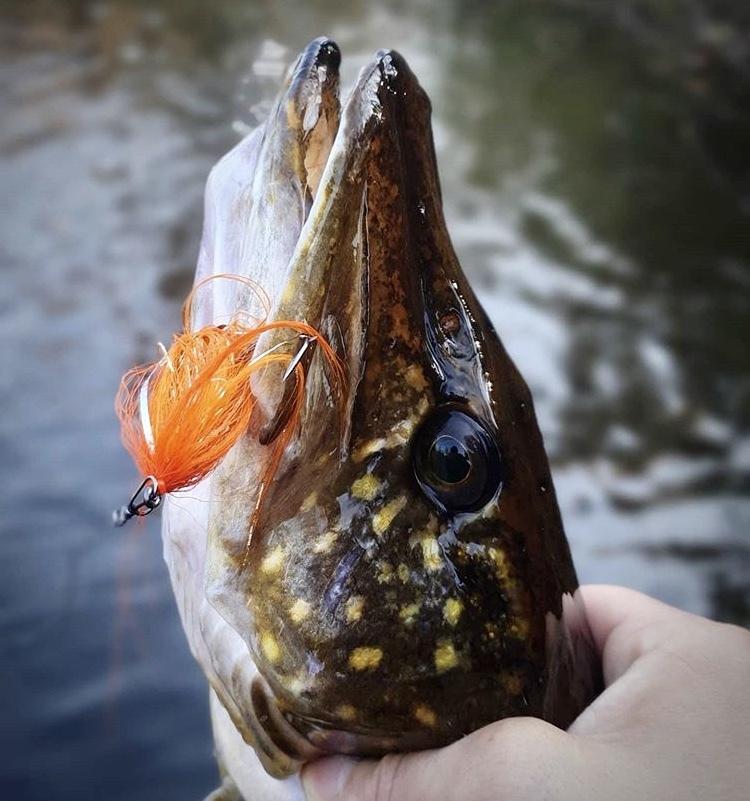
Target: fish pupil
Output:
[(456, 460), (449, 460)]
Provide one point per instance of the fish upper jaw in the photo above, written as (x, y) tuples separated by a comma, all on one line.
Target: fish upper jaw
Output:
[(259, 194)]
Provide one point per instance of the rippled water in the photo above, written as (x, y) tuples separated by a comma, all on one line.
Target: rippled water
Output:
[(598, 197)]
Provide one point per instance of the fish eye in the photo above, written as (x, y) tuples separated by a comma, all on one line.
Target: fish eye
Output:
[(457, 461)]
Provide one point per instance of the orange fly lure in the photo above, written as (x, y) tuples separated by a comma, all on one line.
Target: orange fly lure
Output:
[(181, 415)]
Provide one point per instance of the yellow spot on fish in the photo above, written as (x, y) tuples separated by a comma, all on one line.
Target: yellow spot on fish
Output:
[(409, 613), (274, 561), (431, 553), (512, 683), (426, 539), (366, 487), (299, 610), (403, 431), (491, 629), (294, 684), (269, 647), (520, 628), (368, 448), (445, 656), (383, 518), (397, 437), (415, 379), (403, 573), (354, 607), (365, 658), (500, 560), (425, 715), (346, 712), (385, 572), (452, 611), (325, 542), (309, 502)]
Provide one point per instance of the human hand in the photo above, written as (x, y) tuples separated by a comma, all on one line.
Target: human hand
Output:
[(673, 724)]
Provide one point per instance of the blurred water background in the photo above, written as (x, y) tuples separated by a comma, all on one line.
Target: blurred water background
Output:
[(596, 168)]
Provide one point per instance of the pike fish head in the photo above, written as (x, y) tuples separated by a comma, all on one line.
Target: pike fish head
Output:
[(406, 578)]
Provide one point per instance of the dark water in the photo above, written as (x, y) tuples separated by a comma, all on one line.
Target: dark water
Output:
[(597, 185)]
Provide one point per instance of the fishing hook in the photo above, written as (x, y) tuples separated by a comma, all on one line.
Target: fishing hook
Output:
[(297, 357), (145, 499)]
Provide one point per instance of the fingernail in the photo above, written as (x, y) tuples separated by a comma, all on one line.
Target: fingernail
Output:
[(324, 779)]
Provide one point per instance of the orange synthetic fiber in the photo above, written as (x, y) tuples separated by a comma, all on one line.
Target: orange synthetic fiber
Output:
[(197, 399)]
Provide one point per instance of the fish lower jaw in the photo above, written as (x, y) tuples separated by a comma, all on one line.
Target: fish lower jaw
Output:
[(240, 763)]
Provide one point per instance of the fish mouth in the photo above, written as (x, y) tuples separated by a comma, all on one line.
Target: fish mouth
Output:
[(325, 272)]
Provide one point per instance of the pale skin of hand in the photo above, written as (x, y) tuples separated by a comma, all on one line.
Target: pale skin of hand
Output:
[(673, 724)]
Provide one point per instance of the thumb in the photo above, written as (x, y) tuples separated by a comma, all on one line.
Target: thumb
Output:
[(396, 776), (492, 764)]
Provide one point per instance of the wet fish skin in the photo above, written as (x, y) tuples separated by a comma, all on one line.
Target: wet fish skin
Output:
[(409, 579)]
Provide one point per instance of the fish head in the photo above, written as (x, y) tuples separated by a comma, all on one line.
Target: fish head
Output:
[(402, 577)]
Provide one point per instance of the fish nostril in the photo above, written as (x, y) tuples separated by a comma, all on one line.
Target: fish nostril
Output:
[(391, 65), (329, 54)]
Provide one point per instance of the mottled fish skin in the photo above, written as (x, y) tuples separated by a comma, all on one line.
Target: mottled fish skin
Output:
[(376, 607)]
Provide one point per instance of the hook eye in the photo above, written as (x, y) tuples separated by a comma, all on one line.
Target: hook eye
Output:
[(145, 499)]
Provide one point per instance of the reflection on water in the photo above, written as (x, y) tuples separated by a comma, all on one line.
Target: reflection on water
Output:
[(596, 186)]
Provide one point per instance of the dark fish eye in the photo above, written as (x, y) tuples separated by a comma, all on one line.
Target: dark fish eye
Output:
[(457, 461)]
